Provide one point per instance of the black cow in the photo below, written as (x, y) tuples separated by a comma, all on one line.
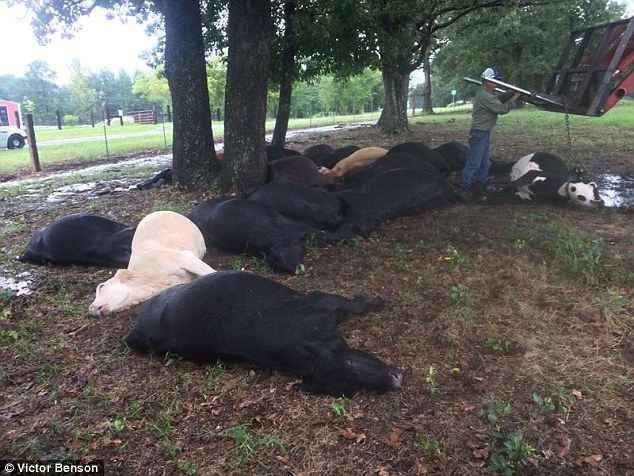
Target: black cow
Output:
[(543, 177), (422, 152), (389, 195), (390, 161), (331, 159), (313, 206), (318, 150), (164, 177), (240, 225), (240, 316), (298, 169), (81, 239), (274, 152), (454, 153)]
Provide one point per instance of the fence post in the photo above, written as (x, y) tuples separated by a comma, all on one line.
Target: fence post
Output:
[(58, 118), (17, 120), (30, 136)]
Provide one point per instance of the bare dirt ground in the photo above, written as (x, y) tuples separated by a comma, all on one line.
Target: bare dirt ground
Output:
[(513, 326)]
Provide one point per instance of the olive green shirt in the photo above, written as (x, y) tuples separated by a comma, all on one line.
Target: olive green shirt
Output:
[(486, 109)]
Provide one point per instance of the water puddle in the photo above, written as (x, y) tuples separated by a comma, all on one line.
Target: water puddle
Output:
[(18, 286), (616, 190)]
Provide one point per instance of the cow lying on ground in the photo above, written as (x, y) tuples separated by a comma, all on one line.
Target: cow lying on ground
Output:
[(167, 249), (81, 239), (298, 169), (423, 152), (331, 159), (312, 206), (454, 153), (390, 161), (356, 161), (164, 177), (544, 178), (246, 226), (388, 195), (240, 316)]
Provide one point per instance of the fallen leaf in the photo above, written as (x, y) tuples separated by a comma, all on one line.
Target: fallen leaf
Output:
[(577, 394), (592, 460), (423, 468), (467, 407), (478, 450), (612, 422), (383, 472), (481, 453), (348, 434), (565, 448), (394, 439), (318, 421), (247, 403)]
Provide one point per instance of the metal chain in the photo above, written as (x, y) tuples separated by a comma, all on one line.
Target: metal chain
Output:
[(576, 168), (568, 135)]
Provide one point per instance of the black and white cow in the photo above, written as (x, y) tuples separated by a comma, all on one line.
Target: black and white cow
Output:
[(544, 177), (241, 225), (81, 239), (240, 316)]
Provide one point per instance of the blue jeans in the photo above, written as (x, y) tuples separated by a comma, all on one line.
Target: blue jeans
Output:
[(478, 162)]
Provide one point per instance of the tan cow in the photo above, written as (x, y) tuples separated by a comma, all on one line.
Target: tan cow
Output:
[(355, 161), (166, 250)]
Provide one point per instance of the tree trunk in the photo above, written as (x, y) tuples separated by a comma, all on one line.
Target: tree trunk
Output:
[(427, 107), (286, 82), (194, 163), (250, 32), (393, 118)]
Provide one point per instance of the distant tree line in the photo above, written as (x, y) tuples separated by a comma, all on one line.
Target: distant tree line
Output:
[(90, 93)]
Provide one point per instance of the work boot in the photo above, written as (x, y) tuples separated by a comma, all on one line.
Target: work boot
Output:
[(479, 190)]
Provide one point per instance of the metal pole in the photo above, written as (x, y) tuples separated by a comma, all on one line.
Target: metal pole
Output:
[(105, 135)]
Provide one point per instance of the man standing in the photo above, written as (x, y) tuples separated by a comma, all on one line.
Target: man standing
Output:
[(486, 109)]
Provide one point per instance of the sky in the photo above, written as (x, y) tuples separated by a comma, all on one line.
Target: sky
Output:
[(100, 44)]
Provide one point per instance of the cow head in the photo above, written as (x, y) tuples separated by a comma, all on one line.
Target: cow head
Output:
[(584, 194), (111, 295), (347, 371)]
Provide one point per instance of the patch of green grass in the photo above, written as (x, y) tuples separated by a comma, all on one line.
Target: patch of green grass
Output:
[(581, 256), (246, 443), (340, 406), (430, 449), (497, 410), (510, 455)]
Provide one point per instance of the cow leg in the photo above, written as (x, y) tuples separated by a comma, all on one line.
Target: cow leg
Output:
[(176, 263), (359, 305), (192, 264)]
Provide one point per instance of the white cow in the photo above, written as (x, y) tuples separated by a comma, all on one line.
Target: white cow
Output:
[(355, 161), (166, 250)]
